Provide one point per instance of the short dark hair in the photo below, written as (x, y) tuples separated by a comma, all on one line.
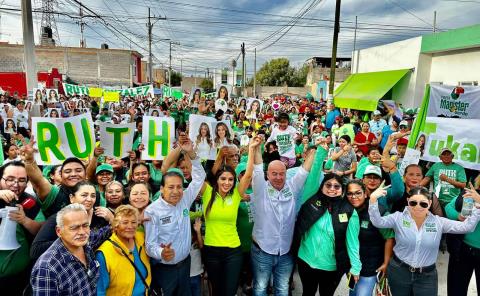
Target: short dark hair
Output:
[(16, 163), (283, 116), (170, 174), (420, 190), (71, 160)]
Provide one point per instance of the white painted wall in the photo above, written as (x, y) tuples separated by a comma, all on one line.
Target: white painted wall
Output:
[(455, 66)]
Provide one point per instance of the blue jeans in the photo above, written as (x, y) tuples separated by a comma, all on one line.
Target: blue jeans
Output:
[(263, 265), (365, 286), (196, 285)]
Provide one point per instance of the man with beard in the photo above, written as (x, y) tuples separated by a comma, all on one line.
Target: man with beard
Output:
[(52, 197)]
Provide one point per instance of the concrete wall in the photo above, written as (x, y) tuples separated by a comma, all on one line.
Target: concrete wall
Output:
[(456, 66), (82, 65), (316, 73), (403, 54), (266, 91), (189, 82)]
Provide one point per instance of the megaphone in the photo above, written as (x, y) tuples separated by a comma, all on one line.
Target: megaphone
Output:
[(8, 230)]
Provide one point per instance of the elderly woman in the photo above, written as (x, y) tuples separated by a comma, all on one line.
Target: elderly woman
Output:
[(124, 265)]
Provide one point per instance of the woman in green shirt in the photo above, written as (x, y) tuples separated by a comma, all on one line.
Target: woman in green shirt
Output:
[(326, 235), (223, 254)]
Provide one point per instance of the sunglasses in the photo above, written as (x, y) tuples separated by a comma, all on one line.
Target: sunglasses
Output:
[(414, 203), (334, 186)]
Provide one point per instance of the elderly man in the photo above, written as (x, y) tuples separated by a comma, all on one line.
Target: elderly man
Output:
[(69, 267), (275, 204), (168, 232), (14, 264)]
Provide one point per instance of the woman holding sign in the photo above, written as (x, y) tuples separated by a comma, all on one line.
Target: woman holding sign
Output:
[(203, 142), (222, 135)]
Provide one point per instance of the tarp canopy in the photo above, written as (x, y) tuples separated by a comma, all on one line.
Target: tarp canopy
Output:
[(362, 91)]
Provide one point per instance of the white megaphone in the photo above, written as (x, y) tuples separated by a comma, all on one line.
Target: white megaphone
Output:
[(8, 230)]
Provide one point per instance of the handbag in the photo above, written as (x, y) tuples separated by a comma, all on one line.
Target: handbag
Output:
[(382, 288), (151, 291)]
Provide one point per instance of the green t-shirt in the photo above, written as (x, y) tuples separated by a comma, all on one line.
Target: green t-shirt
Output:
[(155, 174), (221, 221), (446, 191), (245, 225)]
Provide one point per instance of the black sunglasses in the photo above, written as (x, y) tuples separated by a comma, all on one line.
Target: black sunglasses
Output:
[(414, 203)]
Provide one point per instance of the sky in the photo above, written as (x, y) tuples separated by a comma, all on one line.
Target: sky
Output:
[(207, 34)]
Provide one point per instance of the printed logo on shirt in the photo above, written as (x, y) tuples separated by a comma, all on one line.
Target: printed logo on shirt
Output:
[(364, 223), (166, 220), (229, 201), (406, 223), (343, 217), (286, 193), (430, 227), (185, 212)]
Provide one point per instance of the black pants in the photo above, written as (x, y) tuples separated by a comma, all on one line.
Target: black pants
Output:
[(172, 279), (312, 279), (461, 266), (403, 282), (223, 269)]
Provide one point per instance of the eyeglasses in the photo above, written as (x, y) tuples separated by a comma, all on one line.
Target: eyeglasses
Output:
[(414, 203), (333, 186), (403, 126), (11, 181), (357, 194)]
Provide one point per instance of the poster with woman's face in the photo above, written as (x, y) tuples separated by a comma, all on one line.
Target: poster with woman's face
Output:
[(28, 105), (223, 135), (254, 107), (155, 113), (224, 91), (54, 112), (52, 95), (38, 96), (201, 133), (9, 126), (196, 93)]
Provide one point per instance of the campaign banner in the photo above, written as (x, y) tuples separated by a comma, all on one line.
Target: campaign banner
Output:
[(72, 90), (60, 138), (158, 135), (116, 139), (459, 135), (454, 101), (171, 92)]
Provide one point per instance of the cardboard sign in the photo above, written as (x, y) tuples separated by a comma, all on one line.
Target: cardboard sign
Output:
[(117, 139), (158, 135), (60, 138)]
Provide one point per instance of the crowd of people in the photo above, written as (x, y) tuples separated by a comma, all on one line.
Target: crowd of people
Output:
[(293, 184)]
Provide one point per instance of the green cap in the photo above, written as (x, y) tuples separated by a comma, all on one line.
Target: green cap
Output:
[(104, 167), (177, 171), (241, 167)]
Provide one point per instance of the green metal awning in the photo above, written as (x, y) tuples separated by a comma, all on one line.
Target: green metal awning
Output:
[(362, 91)]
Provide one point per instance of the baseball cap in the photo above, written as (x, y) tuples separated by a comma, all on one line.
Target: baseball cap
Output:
[(403, 122), (104, 167), (376, 112), (402, 141), (373, 170), (445, 149), (241, 167)]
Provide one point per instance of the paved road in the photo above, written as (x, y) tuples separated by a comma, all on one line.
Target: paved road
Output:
[(442, 280)]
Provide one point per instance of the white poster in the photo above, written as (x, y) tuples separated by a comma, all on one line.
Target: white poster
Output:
[(60, 138), (201, 133), (116, 139), (462, 136), (158, 135), (454, 101)]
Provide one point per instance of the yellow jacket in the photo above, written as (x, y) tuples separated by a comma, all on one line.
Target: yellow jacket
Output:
[(122, 273)]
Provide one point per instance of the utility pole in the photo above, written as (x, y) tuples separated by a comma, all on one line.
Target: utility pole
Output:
[(150, 26), (83, 44), (195, 76), (28, 45), (170, 67), (255, 74), (435, 21), (242, 48), (181, 67), (355, 35), (334, 49)]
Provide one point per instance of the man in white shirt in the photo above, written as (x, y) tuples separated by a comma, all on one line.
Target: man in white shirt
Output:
[(20, 115), (168, 231), (275, 204), (377, 124)]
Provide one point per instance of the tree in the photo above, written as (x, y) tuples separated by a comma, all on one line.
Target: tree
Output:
[(176, 78), (278, 72), (207, 85)]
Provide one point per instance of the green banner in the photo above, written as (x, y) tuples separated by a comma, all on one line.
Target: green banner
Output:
[(72, 90), (172, 92)]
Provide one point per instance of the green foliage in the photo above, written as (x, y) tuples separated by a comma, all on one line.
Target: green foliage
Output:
[(278, 72), (176, 79), (207, 85)]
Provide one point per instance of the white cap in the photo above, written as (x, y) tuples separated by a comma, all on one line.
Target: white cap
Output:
[(373, 170), (376, 112), (403, 122)]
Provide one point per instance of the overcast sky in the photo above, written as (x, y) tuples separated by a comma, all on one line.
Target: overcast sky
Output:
[(210, 31)]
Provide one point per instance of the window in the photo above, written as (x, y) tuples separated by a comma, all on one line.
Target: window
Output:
[(467, 83)]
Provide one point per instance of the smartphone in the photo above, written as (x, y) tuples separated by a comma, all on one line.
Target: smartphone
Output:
[(351, 281)]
